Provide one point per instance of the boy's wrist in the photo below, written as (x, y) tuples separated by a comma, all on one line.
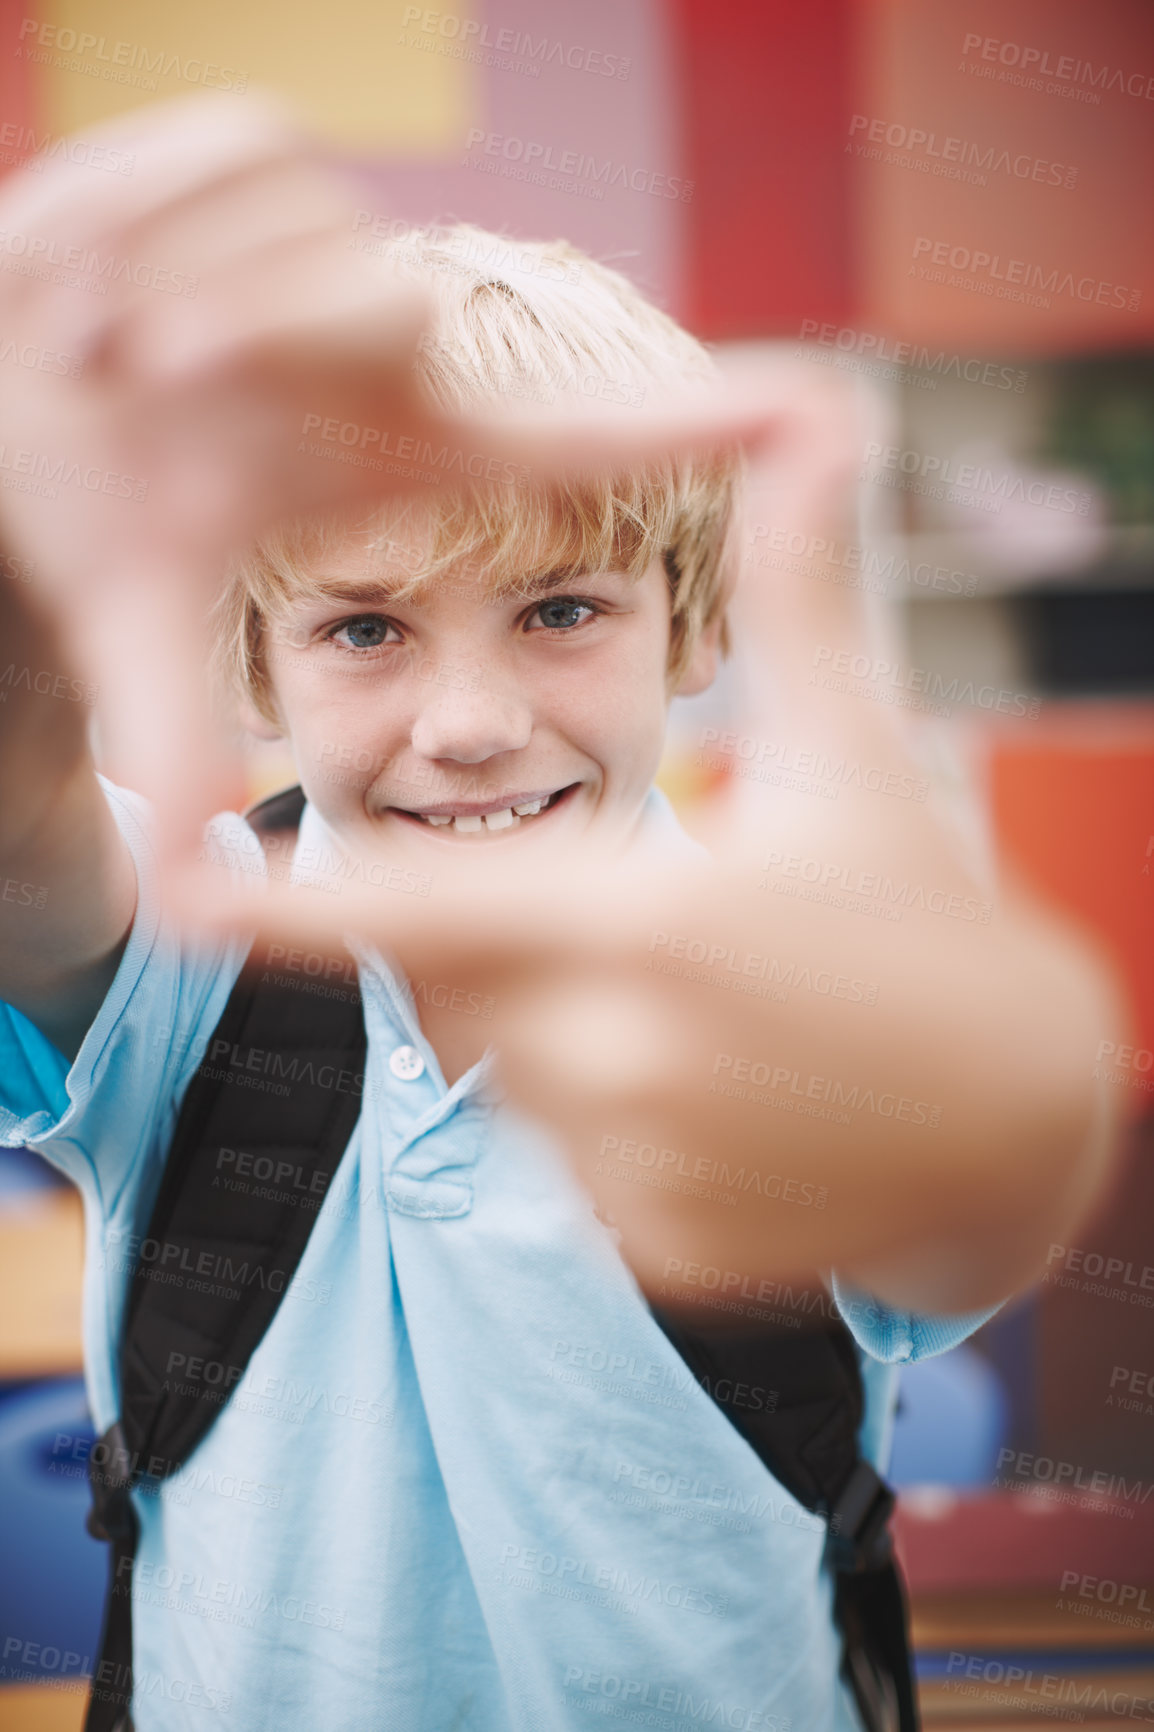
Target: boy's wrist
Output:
[(44, 712)]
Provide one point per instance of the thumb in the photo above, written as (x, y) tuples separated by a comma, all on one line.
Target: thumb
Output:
[(146, 648)]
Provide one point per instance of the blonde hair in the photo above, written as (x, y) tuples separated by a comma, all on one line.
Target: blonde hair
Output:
[(538, 321)]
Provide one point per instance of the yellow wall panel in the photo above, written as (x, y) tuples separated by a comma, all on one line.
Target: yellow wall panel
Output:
[(351, 67)]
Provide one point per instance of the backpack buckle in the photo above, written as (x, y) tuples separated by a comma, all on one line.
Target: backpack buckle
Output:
[(111, 1469), (859, 1536)]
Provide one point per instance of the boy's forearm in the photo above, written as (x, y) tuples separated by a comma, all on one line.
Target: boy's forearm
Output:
[(43, 725), (67, 884)]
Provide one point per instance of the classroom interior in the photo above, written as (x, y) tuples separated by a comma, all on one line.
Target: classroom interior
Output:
[(790, 183)]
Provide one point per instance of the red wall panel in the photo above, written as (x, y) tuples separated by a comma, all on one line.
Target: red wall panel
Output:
[(765, 91)]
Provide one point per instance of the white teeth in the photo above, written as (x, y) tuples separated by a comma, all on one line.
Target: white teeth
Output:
[(505, 819)]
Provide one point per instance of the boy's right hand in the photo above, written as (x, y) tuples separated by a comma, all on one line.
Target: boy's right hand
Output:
[(202, 307), (236, 307)]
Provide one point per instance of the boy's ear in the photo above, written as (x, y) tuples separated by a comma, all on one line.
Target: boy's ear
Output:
[(254, 723), (701, 668)]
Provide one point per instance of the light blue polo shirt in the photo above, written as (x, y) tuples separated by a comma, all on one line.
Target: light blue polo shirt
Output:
[(466, 1484)]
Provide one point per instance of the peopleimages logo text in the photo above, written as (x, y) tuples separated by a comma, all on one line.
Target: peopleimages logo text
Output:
[(472, 34), (998, 486), (945, 151), (1034, 278), (125, 56), (1065, 67), (535, 155)]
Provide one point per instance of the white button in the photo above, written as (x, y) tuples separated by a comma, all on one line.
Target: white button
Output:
[(406, 1062)]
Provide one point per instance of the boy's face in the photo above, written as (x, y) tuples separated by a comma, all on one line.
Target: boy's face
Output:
[(423, 725)]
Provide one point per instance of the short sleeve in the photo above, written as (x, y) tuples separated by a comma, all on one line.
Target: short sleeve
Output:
[(102, 1119), (900, 1337)]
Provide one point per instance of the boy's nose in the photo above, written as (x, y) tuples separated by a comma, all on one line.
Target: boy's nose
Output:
[(471, 726)]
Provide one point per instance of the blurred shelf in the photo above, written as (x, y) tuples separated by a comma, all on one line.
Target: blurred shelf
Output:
[(1045, 1691), (989, 1546), (1124, 561), (995, 1620), (41, 1708), (41, 1272)]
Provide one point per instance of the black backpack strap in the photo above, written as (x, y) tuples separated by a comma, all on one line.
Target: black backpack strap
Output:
[(261, 1131), (112, 1518), (796, 1397), (277, 816)]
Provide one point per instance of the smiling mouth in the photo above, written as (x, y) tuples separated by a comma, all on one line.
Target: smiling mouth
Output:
[(488, 819)]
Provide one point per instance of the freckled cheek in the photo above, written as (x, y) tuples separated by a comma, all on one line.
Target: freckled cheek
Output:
[(618, 720), (346, 743)]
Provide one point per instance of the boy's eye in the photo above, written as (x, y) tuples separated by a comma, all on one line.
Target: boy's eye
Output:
[(561, 613), (367, 631)]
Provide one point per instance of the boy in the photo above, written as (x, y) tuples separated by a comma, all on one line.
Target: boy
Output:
[(465, 1480)]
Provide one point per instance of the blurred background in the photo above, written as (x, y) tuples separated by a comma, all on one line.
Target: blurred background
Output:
[(954, 202)]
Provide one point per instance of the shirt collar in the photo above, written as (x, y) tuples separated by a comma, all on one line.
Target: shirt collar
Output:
[(317, 860)]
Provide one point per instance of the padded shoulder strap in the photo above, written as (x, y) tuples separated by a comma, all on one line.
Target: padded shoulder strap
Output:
[(796, 1397), (260, 1134), (261, 1131), (279, 814)]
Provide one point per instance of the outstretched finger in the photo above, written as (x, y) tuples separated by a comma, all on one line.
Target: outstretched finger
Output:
[(482, 921), (582, 439)]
